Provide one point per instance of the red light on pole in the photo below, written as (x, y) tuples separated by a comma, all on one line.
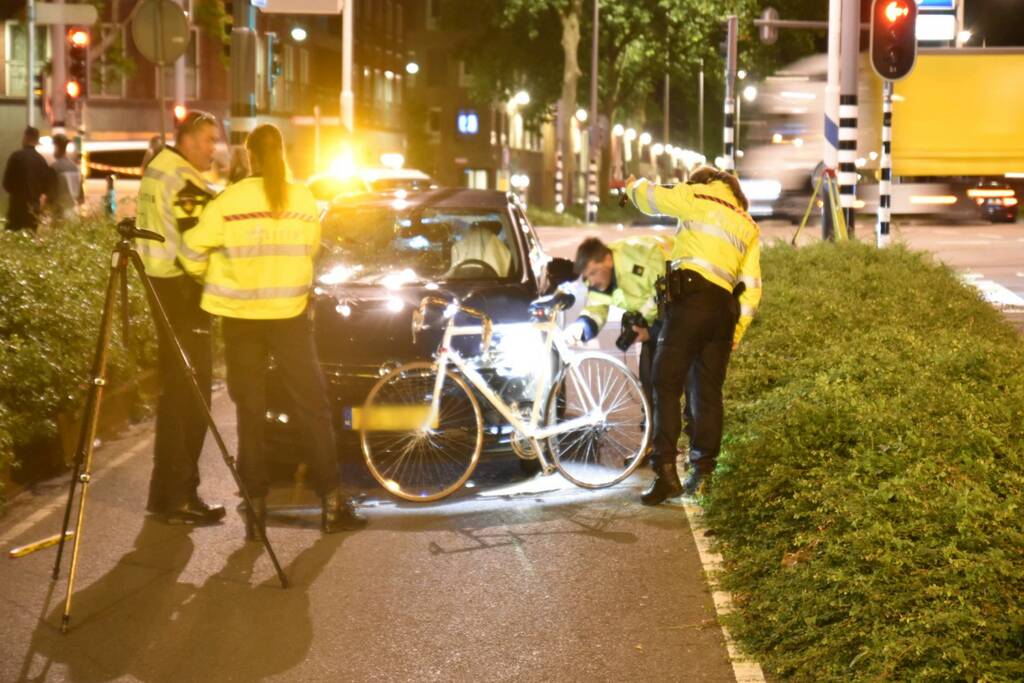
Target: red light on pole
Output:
[(896, 10), (73, 89), (78, 38), (180, 112)]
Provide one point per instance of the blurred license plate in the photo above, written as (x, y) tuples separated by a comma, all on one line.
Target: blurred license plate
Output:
[(387, 418)]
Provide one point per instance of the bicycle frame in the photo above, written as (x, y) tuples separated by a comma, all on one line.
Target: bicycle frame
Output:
[(528, 429)]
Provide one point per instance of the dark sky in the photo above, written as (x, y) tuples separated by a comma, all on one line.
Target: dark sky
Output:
[(1000, 22)]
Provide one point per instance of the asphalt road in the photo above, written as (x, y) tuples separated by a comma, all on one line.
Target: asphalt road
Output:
[(511, 580)]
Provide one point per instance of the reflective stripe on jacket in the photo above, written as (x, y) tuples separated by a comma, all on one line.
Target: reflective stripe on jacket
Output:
[(638, 262), (255, 265), (716, 237), (172, 194)]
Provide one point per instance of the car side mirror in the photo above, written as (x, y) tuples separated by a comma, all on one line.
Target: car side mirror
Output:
[(557, 271)]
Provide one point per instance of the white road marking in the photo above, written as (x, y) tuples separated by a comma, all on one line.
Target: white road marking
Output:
[(992, 291), (40, 514), (745, 670)]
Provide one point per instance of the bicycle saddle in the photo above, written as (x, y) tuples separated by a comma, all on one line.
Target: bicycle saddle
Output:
[(559, 301)]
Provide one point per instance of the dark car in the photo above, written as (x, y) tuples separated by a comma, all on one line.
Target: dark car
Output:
[(381, 256), (997, 201)]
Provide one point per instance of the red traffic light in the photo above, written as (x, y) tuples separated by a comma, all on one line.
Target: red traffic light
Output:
[(78, 37), (180, 112), (896, 10), (73, 89)]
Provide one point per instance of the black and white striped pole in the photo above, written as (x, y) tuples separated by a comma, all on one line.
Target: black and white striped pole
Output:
[(729, 128), (559, 191), (846, 157), (885, 167), (592, 197)]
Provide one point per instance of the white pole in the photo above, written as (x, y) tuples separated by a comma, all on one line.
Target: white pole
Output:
[(831, 123), (347, 98), (179, 66), (728, 129)]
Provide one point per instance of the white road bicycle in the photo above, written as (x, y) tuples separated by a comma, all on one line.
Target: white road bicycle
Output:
[(422, 430)]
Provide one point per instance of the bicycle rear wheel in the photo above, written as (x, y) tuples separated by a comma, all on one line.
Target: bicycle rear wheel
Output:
[(412, 462), (603, 454)]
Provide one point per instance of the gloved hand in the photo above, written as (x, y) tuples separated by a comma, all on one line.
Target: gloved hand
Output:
[(576, 332)]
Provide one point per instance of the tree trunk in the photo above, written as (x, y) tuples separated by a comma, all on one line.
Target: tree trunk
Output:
[(567, 104)]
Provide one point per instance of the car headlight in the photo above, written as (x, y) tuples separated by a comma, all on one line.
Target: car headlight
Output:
[(517, 350)]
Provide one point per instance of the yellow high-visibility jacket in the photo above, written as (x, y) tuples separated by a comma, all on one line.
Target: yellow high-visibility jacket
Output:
[(255, 265), (716, 239), (172, 194), (637, 263)]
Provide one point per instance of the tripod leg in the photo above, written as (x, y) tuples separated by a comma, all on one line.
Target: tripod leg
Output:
[(83, 457), (186, 367)]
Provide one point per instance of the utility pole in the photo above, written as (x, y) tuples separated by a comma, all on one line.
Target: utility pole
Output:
[(243, 72), (700, 108), (593, 143), (729, 131), (58, 105), (348, 119), (30, 63)]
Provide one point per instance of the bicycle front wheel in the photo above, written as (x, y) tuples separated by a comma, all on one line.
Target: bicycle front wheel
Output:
[(607, 451), (412, 459)]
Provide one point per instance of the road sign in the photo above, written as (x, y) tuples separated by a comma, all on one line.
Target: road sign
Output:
[(937, 4), (52, 13), (160, 31)]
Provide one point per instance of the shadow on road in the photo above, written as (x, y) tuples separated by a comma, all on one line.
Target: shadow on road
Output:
[(140, 621)]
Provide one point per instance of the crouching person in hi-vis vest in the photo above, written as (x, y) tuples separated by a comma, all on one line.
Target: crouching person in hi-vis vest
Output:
[(254, 249), (714, 287)]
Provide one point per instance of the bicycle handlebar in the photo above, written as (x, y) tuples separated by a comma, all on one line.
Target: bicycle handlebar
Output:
[(431, 301)]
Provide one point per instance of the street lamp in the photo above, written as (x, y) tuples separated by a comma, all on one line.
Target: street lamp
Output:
[(741, 74), (412, 68), (298, 34), (750, 93), (645, 138), (581, 115), (630, 134), (522, 98), (618, 130)]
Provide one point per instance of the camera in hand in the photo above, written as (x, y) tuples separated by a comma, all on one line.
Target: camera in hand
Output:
[(628, 335)]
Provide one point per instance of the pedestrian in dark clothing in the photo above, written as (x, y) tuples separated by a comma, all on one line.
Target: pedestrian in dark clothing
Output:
[(26, 179)]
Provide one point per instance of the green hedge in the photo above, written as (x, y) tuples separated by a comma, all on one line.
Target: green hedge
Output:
[(51, 294), (868, 500)]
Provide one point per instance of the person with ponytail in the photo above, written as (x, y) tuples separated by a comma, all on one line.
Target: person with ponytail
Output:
[(714, 288), (253, 248)]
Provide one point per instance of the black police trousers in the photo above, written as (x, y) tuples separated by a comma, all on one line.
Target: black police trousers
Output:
[(645, 364), (693, 354), (248, 345), (180, 420)]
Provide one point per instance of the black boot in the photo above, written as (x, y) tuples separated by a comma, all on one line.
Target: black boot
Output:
[(339, 514), (256, 520), (696, 479), (195, 512), (666, 485)]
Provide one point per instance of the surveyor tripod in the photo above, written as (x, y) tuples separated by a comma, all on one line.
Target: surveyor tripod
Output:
[(124, 254)]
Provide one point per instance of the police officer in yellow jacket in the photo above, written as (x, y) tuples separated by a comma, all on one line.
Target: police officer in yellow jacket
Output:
[(172, 194), (254, 249), (714, 287), (623, 274)]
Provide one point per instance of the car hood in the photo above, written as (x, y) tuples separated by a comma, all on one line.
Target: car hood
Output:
[(360, 325)]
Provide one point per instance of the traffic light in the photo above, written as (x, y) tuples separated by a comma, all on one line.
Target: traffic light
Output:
[(77, 84), (893, 37), (39, 89)]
